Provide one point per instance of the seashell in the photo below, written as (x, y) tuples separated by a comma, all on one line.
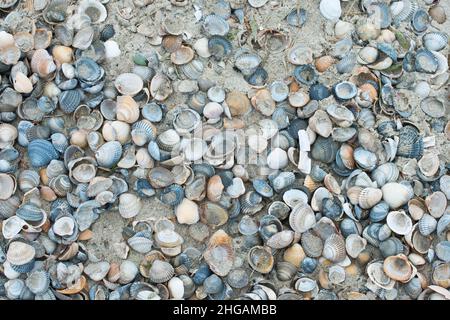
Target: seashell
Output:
[(129, 205), (257, 3), (324, 63), (334, 248), (441, 275), (260, 259), (219, 47), (182, 55), (128, 84), (305, 285), (109, 154), (128, 271), (140, 244), (347, 63), (38, 282), (187, 212), (258, 78), (186, 121), (142, 132), (435, 41), (220, 253), (345, 90), (442, 250), (41, 152), (305, 74), (324, 149), (420, 21), (300, 55), (201, 47), (354, 245), (321, 123), (429, 164), (399, 222), (391, 246), (398, 268), (28, 179), (436, 204), (285, 270), (171, 43), (395, 194), (20, 253), (93, 9), (215, 25), (302, 218), (369, 197), (238, 103), (330, 10), (312, 244), (160, 87), (213, 214), (277, 159), (263, 102), (97, 271), (116, 130), (427, 225), (127, 109), (8, 186), (247, 63), (433, 107), (437, 12), (317, 91), (425, 61), (69, 100), (281, 239)]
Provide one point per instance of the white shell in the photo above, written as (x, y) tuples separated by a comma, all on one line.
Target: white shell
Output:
[(187, 212), (399, 222), (396, 194), (64, 226), (330, 9), (176, 288), (277, 159), (236, 189), (129, 205)]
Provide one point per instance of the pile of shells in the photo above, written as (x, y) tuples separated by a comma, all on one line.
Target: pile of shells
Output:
[(327, 182)]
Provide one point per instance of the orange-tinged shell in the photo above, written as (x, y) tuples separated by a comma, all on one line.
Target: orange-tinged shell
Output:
[(42, 63), (323, 63), (398, 268), (294, 254), (182, 55), (127, 109), (238, 103), (370, 89), (171, 43), (76, 287), (263, 102), (62, 54), (214, 188), (86, 235)]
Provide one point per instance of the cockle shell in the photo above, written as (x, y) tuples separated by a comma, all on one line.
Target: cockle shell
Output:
[(128, 84), (187, 212), (129, 205), (220, 253), (127, 109), (399, 222)]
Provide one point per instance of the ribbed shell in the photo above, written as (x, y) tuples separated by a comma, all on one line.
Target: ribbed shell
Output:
[(312, 244), (20, 253), (334, 248), (41, 152), (302, 218), (109, 154)]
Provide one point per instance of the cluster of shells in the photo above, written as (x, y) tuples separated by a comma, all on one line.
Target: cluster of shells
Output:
[(330, 183)]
